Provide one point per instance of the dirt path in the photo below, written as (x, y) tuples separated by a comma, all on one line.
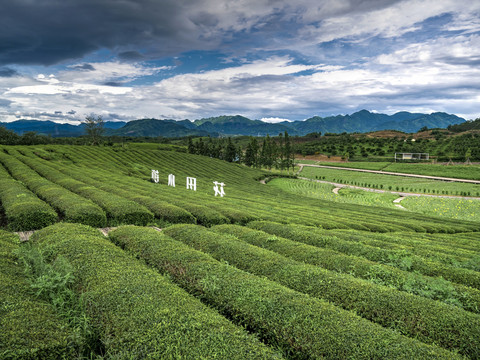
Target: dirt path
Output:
[(402, 194), (391, 173)]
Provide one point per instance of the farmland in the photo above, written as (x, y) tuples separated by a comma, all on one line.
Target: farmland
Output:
[(282, 270)]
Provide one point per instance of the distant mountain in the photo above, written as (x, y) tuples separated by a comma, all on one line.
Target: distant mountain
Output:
[(366, 121), (361, 122), (153, 127), (239, 125), (54, 129)]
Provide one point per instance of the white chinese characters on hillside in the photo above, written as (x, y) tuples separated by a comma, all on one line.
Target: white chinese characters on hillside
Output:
[(171, 180), (191, 183), (155, 176), (218, 188)]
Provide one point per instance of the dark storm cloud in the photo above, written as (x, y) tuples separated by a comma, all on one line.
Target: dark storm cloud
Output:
[(49, 31), (131, 56), (7, 72), (83, 67)]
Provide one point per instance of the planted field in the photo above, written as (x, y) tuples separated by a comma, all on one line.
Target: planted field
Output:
[(282, 270), (471, 172), (392, 182)]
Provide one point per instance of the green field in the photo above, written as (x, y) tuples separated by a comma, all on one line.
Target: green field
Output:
[(391, 182), (283, 270), (471, 172)]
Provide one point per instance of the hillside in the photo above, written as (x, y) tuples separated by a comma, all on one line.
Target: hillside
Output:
[(317, 278)]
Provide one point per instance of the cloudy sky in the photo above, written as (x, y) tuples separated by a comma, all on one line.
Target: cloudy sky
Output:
[(264, 59)]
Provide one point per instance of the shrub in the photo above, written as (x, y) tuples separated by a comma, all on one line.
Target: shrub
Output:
[(23, 210), (72, 207), (311, 236), (302, 326), (30, 329), (137, 312)]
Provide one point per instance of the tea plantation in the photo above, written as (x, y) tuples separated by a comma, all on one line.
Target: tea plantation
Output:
[(260, 273)]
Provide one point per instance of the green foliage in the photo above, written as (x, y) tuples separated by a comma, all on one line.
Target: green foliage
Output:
[(334, 253), (71, 207), (30, 327), (345, 290), (138, 313), (23, 210), (53, 282), (301, 325)]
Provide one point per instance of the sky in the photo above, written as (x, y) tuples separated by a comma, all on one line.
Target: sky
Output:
[(274, 60)]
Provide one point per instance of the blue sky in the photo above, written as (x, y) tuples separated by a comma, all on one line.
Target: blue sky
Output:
[(264, 59)]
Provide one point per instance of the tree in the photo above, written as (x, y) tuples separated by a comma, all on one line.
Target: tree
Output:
[(230, 151), (94, 128), (190, 146), (251, 153)]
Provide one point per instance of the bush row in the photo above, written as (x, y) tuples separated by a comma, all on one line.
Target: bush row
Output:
[(29, 328), (23, 210), (175, 210), (401, 245), (424, 319), (432, 288), (304, 327), (118, 209), (308, 235), (137, 312), (161, 209), (72, 207)]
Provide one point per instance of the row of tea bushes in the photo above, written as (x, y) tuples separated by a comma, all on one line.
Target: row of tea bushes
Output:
[(304, 327), (424, 319), (137, 191), (307, 235), (161, 209), (245, 196), (23, 210), (138, 313), (432, 288), (118, 209), (401, 245), (30, 329), (70, 206)]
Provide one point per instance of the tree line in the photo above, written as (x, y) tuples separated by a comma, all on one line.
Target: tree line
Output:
[(267, 153)]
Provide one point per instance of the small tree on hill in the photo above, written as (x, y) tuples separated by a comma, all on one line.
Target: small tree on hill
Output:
[(94, 128)]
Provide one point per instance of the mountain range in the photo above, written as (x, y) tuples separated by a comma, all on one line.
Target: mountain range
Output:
[(361, 122)]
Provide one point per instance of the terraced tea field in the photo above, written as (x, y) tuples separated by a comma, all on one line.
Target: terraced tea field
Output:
[(261, 273)]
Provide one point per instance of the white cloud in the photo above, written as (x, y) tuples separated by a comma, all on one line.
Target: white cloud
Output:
[(274, 120)]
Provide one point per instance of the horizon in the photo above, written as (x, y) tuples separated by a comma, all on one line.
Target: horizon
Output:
[(276, 120), (288, 62)]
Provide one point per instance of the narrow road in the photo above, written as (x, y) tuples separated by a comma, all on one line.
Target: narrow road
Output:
[(392, 173), (402, 194)]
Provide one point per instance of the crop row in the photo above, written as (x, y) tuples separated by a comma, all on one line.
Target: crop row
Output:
[(71, 207), (30, 329), (309, 236), (136, 312), (246, 199), (118, 210), (411, 315), (23, 210), (160, 209), (401, 245), (303, 326), (303, 216), (425, 286)]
